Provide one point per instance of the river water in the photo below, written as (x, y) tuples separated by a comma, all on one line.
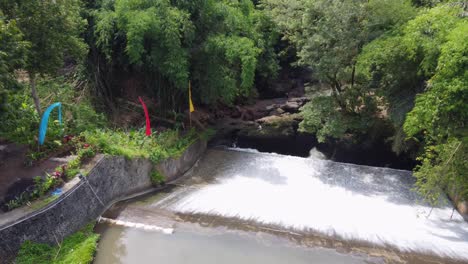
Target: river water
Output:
[(131, 245), (239, 206)]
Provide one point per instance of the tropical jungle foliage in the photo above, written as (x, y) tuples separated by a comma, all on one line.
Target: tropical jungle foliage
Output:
[(400, 61), (12, 51), (218, 45), (394, 67), (52, 29)]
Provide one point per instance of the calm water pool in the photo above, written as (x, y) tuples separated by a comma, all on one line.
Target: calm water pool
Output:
[(130, 245)]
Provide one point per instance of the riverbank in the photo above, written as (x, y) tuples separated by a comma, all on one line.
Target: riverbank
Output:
[(272, 125), (112, 179), (79, 247)]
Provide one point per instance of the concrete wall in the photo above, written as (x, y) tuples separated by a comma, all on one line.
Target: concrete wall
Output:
[(111, 180)]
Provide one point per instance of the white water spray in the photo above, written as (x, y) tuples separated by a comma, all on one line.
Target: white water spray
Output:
[(375, 205), (136, 225)]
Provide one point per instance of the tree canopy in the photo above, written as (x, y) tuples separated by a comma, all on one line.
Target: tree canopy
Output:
[(329, 37), (12, 51), (219, 45), (407, 66), (52, 29)]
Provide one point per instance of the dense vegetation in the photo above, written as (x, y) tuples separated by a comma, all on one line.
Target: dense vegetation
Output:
[(218, 45), (394, 68), (388, 61)]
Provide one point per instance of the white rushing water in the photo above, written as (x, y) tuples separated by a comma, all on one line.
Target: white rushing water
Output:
[(352, 202)]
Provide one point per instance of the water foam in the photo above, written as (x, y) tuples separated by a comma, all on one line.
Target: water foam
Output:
[(136, 225), (353, 202)]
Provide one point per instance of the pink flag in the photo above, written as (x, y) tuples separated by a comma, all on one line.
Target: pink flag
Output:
[(148, 125)]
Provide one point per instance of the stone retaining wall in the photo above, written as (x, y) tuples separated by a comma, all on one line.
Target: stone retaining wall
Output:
[(111, 180)]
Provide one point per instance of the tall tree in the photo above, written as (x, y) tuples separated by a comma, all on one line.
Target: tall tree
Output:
[(52, 27), (12, 51), (329, 36), (219, 45), (421, 70)]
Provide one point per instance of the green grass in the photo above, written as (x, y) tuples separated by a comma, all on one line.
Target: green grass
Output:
[(78, 248), (135, 144), (157, 178)]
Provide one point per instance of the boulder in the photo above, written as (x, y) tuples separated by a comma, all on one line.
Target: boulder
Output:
[(277, 111), (271, 107), (291, 107)]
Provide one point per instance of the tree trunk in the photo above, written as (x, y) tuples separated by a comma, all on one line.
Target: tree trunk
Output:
[(336, 91), (32, 82)]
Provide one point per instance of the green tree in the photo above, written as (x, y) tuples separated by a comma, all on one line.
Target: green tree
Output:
[(52, 27), (219, 45), (329, 36), (237, 45), (421, 70), (439, 118), (12, 51)]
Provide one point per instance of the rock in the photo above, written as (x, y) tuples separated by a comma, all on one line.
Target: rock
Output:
[(274, 126), (300, 100), (298, 90), (259, 113), (285, 118), (247, 115), (294, 104), (236, 112), (291, 107), (278, 111)]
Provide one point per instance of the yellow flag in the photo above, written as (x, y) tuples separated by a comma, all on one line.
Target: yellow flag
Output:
[(192, 109)]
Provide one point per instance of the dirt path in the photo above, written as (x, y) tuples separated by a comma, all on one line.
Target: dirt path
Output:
[(14, 175)]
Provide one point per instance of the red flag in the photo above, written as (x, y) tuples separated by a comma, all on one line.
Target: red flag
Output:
[(148, 125)]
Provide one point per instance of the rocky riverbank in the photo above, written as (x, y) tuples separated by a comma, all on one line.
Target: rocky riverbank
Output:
[(271, 125)]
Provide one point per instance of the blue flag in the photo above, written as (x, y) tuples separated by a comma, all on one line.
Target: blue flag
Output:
[(45, 120)]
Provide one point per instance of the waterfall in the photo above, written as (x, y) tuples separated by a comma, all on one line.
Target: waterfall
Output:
[(350, 202)]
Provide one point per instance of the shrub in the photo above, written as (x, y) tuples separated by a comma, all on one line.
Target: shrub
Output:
[(76, 248), (20, 121), (157, 178), (135, 144)]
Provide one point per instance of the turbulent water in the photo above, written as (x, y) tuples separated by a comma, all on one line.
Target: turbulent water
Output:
[(349, 202)]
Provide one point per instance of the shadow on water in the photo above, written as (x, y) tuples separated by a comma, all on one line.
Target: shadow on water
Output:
[(461, 235), (378, 154)]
